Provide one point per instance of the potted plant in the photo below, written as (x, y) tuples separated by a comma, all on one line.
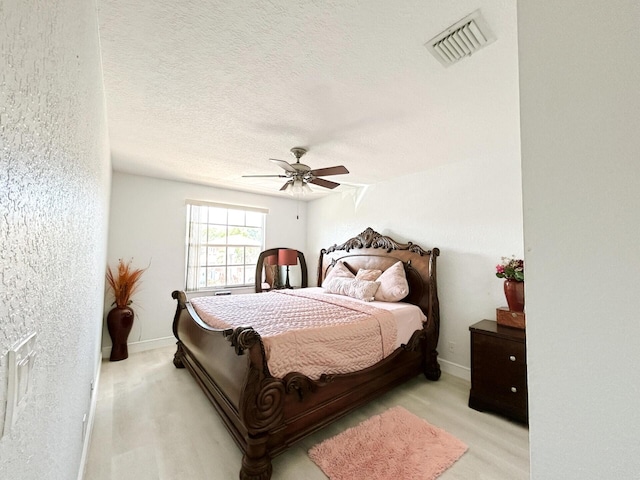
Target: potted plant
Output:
[(123, 283), (512, 270)]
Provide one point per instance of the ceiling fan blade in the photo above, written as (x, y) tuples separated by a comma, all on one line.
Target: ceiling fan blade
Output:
[(264, 176), (284, 187), (323, 172), (286, 165), (324, 183)]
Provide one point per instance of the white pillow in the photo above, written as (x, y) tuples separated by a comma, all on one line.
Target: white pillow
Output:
[(360, 289), (393, 284), (338, 270)]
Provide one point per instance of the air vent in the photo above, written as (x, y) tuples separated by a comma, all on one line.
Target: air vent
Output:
[(461, 39)]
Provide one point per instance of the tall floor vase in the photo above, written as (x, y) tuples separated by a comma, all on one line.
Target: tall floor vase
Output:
[(514, 291), (119, 323)]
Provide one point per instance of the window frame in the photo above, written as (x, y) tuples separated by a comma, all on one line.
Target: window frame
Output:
[(197, 219)]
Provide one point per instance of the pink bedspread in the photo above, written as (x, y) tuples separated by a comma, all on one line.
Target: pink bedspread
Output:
[(306, 332)]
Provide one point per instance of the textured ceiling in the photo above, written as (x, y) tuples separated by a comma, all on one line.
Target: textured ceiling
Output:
[(207, 91)]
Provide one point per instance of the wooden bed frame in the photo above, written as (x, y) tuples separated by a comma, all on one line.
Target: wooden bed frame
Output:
[(265, 415)]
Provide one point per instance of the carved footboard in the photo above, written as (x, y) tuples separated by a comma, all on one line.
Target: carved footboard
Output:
[(265, 415), (230, 366)]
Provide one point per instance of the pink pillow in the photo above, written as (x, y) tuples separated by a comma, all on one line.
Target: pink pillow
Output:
[(393, 284), (371, 275), (339, 270), (350, 287)]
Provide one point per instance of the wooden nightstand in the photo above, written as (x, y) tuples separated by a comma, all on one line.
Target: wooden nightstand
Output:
[(498, 370)]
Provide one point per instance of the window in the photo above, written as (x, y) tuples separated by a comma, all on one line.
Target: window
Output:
[(223, 245)]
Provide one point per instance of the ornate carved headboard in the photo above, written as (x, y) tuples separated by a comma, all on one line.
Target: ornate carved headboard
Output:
[(371, 250)]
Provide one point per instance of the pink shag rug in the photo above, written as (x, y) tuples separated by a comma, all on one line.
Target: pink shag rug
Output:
[(393, 445)]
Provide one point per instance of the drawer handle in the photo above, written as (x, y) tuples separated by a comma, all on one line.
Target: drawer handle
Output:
[(512, 358), (514, 389)]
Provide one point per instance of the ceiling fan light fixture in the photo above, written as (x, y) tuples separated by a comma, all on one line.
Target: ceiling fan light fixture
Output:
[(296, 189)]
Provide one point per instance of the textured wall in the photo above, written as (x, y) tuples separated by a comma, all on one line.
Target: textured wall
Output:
[(54, 190)]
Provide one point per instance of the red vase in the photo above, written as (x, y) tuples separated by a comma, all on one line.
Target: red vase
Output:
[(514, 291), (119, 323)]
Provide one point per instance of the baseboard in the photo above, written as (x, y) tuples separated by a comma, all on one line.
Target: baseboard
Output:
[(89, 427), (455, 369), (144, 345)]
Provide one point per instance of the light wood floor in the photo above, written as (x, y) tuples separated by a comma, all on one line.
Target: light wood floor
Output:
[(154, 423)]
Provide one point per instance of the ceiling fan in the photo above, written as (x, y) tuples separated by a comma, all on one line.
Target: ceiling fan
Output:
[(300, 175)]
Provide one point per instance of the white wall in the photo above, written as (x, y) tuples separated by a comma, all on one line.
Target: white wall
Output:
[(456, 208), (54, 189), (580, 103), (148, 224)]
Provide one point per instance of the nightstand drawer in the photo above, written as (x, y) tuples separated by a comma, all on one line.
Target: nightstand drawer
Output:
[(504, 394), (498, 351), (498, 370)]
